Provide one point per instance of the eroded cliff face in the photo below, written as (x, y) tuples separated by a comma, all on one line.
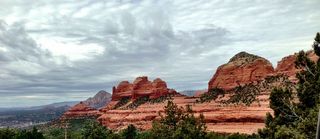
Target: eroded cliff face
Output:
[(243, 68), (139, 88), (81, 110)]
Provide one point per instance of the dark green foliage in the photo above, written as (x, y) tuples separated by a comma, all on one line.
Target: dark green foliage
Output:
[(178, 123), (138, 102), (296, 119), (55, 133), (212, 94), (281, 101), (20, 134), (316, 44), (93, 130), (130, 132), (7, 133), (161, 99), (246, 94), (123, 101), (213, 135), (146, 99)]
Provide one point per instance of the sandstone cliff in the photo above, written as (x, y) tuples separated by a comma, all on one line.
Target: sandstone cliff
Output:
[(243, 68)]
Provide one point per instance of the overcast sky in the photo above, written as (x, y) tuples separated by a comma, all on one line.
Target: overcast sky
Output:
[(61, 50)]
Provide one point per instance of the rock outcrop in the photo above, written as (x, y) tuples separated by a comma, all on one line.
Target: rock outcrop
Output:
[(81, 110), (101, 99), (287, 66), (243, 68), (139, 88)]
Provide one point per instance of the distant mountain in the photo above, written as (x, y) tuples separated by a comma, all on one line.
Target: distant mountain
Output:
[(188, 92), (53, 105), (99, 100), (191, 93)]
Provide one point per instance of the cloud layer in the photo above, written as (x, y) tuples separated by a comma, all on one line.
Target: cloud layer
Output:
[(59, 50)]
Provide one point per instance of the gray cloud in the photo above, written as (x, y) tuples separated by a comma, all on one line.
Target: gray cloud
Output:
[(182, 42)]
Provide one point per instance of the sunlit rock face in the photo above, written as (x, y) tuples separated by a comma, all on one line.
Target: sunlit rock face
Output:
[(81, 110), (243, 68), (140, 87)]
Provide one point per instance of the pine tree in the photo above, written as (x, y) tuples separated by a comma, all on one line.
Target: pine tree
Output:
[(296, 119)]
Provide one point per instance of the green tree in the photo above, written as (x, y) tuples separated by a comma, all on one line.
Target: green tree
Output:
[(33, 134), (7, 133), (178, 123), (130, 132), (93, 130)]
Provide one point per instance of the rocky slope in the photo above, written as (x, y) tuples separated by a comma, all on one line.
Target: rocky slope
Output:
[(243, 68)]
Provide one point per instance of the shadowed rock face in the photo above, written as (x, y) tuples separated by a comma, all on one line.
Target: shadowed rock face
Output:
[(139, 88), (79, 111), (243, 68)]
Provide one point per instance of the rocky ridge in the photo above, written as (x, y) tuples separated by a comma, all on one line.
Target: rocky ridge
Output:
[(242, 69)]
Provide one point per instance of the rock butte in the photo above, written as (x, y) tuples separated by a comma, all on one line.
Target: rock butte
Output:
[(245, 68), (139, 88), (242, 68), (81, 110)]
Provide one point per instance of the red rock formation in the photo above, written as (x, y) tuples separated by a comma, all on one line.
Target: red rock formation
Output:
[(140, 87), (287, 66), (243, 68), (81, 110)]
